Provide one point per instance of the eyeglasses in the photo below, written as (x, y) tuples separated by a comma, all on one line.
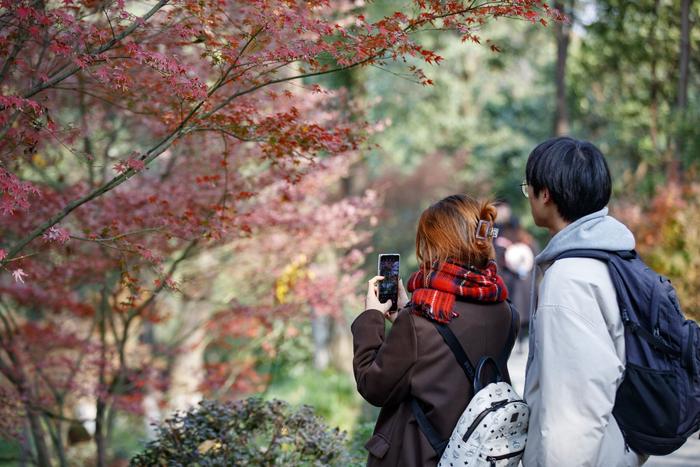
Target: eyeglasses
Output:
[(523, 188)]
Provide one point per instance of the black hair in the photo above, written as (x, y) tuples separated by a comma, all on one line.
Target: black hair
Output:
[(575, 173)]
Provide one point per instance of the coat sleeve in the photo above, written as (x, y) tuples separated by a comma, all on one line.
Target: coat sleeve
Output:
[(579, 372), (383, 364)]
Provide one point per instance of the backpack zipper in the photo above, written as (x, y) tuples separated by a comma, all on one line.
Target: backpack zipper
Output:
[(494, 459), (494, 406)]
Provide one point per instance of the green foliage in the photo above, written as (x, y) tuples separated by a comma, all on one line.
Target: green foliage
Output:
[(10, 452), (492, 105), (332, 394), (362, 433), (246, 432), (623, 86), (128, 433), (469, 132)]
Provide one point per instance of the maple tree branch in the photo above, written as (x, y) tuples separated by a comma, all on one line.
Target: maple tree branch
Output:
[(17, 258), (121, 340), (167, 141), (154, 152), (63, 418), (101, 402), (371, 58), (12, 326), (403, 76), (11, 121), (7, 371), (225, 132), (229, 99), (183, 256), (18, 378), (58, 77), (11, 58), (117, 237), (269, 71), (74, 371), (158, 149), (104, 10), (10, 330), (250, 40), (103, 99), (56, 394)]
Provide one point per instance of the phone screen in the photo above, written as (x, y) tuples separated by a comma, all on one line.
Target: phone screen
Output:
[(389, 286)]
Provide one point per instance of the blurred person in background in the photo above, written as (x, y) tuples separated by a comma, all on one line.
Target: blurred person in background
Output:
[(457, 284), (515, 256)]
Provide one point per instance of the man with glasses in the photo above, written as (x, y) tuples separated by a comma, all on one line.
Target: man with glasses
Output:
[(577, 348)]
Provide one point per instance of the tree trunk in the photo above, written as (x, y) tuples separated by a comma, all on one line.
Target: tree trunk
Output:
[(33, 414), (563, 35), (55, 429), (654, 86), (676, 164), (326, 265), (341, 345), (42, 451), (684, 55), (100, 405), (321, 334), (187, 368), (100, 433)]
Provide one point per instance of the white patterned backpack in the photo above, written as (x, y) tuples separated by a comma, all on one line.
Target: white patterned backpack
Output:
[(492, 430)]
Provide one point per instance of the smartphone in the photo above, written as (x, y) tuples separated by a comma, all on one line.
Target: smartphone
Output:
[(388, 266)]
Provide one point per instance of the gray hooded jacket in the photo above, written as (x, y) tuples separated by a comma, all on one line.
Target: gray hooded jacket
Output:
[(577, 352)]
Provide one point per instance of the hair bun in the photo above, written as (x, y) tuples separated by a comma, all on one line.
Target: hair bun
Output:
[(488, 211)]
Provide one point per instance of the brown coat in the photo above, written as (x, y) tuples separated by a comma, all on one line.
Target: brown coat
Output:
[(413, 360)]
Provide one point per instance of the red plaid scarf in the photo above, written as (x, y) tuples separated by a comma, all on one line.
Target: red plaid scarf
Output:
[(449, 280)]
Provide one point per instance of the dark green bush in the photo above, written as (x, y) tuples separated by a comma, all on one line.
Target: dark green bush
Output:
[(246, 432)]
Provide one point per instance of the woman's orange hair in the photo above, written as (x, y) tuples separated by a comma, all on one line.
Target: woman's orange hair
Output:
[(447, 229)]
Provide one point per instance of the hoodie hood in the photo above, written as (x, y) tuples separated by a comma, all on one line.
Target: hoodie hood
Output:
[(596, 231)]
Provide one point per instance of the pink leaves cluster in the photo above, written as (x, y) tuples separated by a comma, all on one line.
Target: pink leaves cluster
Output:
[(14, 193), (19, 103), (173, 74), (56, 235), (130, 163)]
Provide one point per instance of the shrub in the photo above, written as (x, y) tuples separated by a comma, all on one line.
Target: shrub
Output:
[(667, 229), (246, 432)]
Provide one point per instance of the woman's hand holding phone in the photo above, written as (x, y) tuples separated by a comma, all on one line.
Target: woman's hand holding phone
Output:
[(372, 299)]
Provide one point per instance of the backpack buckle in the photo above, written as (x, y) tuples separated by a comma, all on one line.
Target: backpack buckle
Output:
[(625, 316)]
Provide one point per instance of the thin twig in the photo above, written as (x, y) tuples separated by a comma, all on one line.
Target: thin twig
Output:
[(117, 237)]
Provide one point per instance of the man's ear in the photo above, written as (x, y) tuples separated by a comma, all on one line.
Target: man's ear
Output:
[(545, 195)]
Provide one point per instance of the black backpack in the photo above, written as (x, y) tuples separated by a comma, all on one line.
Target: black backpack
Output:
[(657, 406)]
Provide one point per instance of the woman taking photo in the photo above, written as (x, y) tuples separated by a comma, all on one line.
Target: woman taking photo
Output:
[(458, 285)]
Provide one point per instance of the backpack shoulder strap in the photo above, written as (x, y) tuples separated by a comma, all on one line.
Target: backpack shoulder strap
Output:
[(586, 253), (603, 255), (427, 428), (615, 260), (461, 356), (453, 343), (512, 334)]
